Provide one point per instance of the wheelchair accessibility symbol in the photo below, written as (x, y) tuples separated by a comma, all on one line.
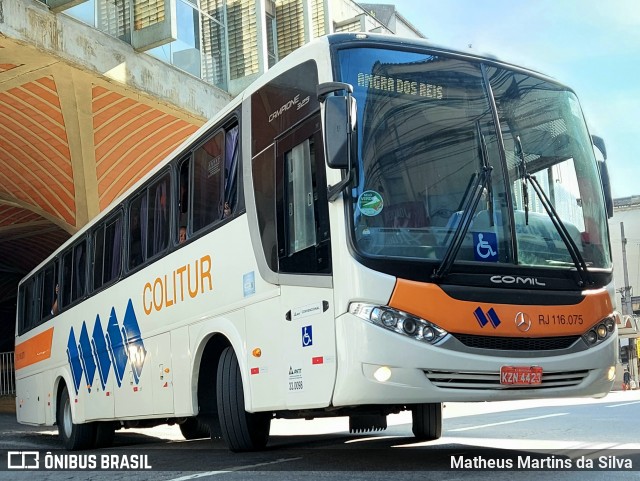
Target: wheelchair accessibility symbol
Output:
[(307, 336), (485, 246)]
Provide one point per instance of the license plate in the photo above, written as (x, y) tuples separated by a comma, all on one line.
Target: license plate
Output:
[(520, 375)]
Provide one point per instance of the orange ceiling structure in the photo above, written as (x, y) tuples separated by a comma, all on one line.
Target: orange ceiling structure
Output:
[(70, 143)]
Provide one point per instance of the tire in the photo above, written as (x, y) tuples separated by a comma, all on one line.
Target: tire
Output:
[(427, 421), (73, 436), (242, 431), (105, 432), (194, 428)]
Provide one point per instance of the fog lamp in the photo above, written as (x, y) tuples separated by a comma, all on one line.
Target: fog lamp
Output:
[(382, 374)]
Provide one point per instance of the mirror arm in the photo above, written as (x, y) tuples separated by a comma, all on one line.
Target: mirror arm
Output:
[(326, 88), (333, 191)]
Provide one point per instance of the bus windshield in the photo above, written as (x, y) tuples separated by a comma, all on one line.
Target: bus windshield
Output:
[(444, 141)]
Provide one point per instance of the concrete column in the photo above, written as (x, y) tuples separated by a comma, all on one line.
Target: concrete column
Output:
[(261, 15), (75, 102), (328, 22), (307, 19)]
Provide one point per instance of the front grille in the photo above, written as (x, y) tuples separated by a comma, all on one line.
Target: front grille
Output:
[(491, 380), (517, 343)]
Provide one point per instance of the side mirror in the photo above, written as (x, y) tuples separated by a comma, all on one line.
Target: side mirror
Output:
[(339, 126), (337, 132), (339, 116), (599, 143), (606, 187)]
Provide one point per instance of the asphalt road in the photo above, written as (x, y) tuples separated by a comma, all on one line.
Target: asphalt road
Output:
[(502, 440)]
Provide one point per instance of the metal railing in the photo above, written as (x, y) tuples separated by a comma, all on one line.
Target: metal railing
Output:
[(7, 374)]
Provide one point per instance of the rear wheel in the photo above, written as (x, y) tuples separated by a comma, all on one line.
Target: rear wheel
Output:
[(193, 428), (73, 436), (427, 421), (242, 431), (105, 432)]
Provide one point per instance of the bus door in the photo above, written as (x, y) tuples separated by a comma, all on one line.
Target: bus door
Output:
[(304, 263)]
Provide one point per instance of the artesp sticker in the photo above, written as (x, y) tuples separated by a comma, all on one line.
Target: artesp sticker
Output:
[(370, 203)]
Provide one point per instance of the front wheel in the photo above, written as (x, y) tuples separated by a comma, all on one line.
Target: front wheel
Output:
[(427, 421), (242, 431), (73, 436)]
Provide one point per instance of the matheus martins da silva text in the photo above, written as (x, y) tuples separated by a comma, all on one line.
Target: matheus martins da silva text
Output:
[(549, 462)]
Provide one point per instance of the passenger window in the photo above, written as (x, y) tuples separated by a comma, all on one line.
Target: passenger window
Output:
[(137, 234), (31, 309), (79, 279), (112, 249), (158, 218), (208, 182), (67, 268), (215, 179), (107, 252), (74, 274), (98, 257), (49, 296), (183, 202)]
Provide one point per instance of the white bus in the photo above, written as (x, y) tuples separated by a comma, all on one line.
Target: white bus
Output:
[(375, 225)]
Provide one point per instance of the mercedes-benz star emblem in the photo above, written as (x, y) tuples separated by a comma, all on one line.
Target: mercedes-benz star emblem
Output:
[(523, 322)]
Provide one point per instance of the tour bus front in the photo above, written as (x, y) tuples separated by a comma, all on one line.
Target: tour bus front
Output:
[(473, 193)]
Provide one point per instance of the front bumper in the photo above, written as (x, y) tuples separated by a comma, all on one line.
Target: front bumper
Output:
[(423, 373)]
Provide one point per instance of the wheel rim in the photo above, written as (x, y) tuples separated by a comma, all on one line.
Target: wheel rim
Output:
[(67, 421)]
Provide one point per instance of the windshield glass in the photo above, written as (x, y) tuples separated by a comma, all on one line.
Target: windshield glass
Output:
[(427, 131), (557, 151)]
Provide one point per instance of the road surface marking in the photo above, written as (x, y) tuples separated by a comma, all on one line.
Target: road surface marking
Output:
[(506, 422), (623, 404), (228, 470)]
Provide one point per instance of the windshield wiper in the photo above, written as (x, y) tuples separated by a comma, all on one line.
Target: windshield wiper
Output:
[(484, 156), (524, 175), (574, 252), (477, 184)]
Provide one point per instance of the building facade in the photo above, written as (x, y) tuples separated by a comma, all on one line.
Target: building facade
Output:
[(228, 43)]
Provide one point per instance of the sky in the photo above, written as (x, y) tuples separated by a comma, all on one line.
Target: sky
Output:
[(592, 46)]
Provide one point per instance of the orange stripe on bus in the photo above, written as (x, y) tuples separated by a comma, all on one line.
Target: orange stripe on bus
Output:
[(431, 303), (33, 350)]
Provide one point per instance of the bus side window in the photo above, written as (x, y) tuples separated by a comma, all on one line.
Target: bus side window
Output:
[(49, 292), (137, 230), (208, 183), (158, 216), (65, 288), (112, 249), (79, 276), (28, 305), (183, 201), (98, 256), (107, 251), (232, 145)]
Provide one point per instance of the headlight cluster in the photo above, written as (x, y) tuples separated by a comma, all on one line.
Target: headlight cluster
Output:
[(599, 332), (398, 321)]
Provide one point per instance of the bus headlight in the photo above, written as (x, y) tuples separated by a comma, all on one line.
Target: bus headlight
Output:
[(398, 321), (601, 331)]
